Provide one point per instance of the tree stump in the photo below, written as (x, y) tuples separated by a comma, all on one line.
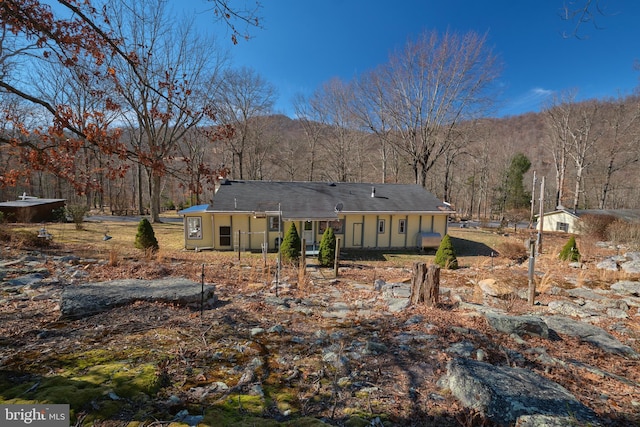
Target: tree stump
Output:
[(425, 284)]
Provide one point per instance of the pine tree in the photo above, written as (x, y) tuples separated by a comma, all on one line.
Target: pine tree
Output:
[(326, 252), (145, 237), (290, 248), (446, 254), (570, 251)]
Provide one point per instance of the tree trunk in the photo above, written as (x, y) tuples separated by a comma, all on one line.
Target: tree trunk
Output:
[(425, 284), (156, 188)]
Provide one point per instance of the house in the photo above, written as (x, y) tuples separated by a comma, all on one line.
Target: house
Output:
[(254, 215), (569, 221), (32, 209)]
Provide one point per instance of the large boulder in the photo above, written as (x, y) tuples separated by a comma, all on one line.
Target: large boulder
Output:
[(78, 301), (504, 394)]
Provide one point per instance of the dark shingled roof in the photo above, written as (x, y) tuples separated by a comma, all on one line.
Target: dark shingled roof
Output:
[(29, 202), (628, 215), (322, 200)]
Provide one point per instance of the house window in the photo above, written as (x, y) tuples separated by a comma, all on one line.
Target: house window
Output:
[(225, 236), (402, 226), (273, 223), (562, 226), (337, 225), (381, 226), (194, 227)]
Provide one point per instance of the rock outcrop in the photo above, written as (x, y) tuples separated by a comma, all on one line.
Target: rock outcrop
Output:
[(505, 394), (91, 298)]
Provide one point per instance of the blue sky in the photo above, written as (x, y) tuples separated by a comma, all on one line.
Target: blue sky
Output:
[(305, 43)]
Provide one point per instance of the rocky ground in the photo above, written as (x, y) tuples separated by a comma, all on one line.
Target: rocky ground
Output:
[(316, 349)]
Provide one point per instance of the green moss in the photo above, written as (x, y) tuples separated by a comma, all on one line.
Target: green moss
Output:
[(84, 380)]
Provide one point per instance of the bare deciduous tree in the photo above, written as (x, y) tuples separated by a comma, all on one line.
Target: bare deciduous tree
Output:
[(243, 96), (622, 147), (435, 83), (170, 89)]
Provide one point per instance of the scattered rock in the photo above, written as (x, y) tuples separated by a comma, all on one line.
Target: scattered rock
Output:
[(519, 325), (495, 289), (591, 334), (627, 287)]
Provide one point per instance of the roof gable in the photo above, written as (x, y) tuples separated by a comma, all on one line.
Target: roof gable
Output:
[(321, 200)]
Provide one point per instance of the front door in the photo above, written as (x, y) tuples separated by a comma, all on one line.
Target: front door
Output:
[(308, 234), (357, 234)]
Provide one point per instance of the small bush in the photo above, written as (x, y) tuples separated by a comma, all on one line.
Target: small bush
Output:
[(570, 251), (327, 249), (446, 254), (24, 239), (290, 248), (77, 214), (60, 214), (146, 237), (513, 250)]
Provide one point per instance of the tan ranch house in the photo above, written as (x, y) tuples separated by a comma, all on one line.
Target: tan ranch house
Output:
[(254, 215)]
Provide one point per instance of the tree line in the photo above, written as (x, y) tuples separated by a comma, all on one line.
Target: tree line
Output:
[(126, 107)]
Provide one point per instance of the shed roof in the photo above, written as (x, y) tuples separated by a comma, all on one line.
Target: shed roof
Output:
[(194, 209), (322, 200), (29, 202)]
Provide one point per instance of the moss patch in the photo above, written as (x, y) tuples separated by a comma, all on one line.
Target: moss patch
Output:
[(100, 381)]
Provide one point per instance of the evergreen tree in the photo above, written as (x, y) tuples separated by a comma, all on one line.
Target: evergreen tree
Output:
[(327, 250), (290, 248), (570, 251), (512, 191), (145, 237), (446, 254)]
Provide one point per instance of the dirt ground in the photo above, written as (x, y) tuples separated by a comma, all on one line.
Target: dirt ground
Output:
[(147, 363)]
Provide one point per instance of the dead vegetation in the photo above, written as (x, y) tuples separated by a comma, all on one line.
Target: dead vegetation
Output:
[(149, 361)]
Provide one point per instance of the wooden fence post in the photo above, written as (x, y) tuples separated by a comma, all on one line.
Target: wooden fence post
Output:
[(336, 260), (425, 284), (302, 267)]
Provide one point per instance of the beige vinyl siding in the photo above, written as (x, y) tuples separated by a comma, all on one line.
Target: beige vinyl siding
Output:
[(207, 235)]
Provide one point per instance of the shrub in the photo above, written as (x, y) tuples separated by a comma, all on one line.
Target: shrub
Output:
[(595, 225), (77, 213), (60, 214), (290, 248), (327, 249), (570, 251), (145, 237), (446, 254), (622, 232), (513, 250)]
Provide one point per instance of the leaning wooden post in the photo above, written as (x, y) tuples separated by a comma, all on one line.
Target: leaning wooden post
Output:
[(425, 284), (532, 263), (336, 260), (303, 263)]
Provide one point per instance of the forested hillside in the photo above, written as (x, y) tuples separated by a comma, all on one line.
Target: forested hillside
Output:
[(473, 176)]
